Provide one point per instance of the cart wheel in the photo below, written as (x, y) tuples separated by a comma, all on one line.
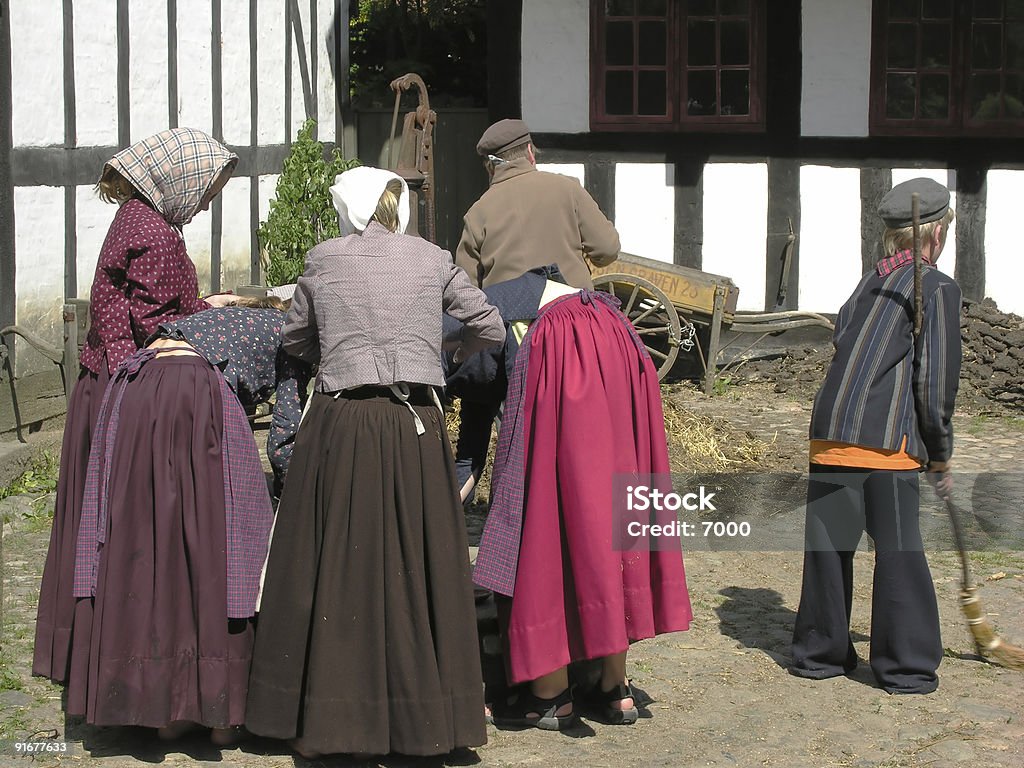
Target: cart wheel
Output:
[(653, 316)]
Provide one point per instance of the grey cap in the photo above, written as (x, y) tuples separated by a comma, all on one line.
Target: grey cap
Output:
[(895, 208), (501, 136)]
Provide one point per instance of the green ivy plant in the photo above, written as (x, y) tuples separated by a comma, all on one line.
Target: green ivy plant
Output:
[(301, 213)]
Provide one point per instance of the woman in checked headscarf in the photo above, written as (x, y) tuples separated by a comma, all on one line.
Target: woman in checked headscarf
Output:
[(143, 277)]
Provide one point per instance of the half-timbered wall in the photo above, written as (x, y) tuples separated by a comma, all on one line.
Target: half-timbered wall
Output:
[(88, 77), (723, 203)]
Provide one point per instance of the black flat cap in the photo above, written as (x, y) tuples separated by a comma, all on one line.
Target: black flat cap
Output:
[(501, 136), (895, 208)]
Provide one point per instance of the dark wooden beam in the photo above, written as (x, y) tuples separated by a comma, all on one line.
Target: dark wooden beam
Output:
[(971, 195)]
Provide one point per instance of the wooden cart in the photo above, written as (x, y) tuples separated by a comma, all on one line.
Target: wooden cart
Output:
[(665, 302)]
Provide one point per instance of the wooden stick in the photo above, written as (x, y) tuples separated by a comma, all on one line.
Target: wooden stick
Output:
[(915, 216)]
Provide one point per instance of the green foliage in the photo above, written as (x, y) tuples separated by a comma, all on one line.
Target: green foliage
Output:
[(40, 478), (9, 679), (721, 385), (443, 41), (301, 214)]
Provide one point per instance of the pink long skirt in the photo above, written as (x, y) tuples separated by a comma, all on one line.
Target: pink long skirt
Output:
[(592, 409)]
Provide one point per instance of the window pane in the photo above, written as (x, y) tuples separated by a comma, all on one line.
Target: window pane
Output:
[(652, 42), (651, 92), (935, 45), (700, 8), (902, 46), (984, 96), (701, 97), (735, 92), (934, 97), (988, 9), (903, 9), (618, 93), (651, 8), (700, 43), (1015, 46), (899, 96), (1015, 9), (735, 42), (986, 44), (734, 7), (937, 9), (618, 7), (1013, 98), (618, 47)]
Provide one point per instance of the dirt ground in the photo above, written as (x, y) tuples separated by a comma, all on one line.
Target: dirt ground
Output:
[(717, 695)]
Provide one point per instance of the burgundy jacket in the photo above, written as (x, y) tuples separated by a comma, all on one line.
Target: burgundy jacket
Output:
[(144, 277)]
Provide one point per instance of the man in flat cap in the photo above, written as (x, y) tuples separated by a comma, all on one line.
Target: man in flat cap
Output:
[(883, 414), (526, 220)]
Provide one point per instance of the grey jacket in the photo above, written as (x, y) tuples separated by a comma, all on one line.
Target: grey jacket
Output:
[(368, 311)]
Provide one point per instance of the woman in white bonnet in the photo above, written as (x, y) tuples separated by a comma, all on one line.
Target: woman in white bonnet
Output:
[(367, 630)]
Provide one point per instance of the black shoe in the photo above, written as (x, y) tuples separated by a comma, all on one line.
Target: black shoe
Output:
[(529, 711), (599, 702)]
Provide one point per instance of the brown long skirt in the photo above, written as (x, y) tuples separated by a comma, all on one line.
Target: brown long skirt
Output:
[(62, 621), (367, 631), (162, 647)]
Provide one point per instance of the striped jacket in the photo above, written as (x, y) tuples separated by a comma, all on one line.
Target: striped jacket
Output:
[(880, 386)]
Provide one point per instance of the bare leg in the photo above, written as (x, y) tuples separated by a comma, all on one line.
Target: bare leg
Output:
[(550, 685), (613, 672)]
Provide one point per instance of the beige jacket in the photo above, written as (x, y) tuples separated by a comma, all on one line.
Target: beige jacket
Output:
[(528, 219)]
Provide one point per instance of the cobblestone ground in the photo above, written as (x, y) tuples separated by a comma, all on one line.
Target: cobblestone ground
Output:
[(718, 695)]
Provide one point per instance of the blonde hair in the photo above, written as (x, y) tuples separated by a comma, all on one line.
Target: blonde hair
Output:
[(113, 187), (895, 240), (387, 207), (261, 302)]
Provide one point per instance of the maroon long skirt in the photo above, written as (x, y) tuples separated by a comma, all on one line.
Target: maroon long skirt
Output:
[(592, 409), (62, 621), (367, 630), (162, 647)]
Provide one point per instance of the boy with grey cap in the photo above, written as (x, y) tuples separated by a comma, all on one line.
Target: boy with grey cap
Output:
[(883, 413)]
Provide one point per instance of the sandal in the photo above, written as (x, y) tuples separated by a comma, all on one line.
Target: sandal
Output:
[(600, 702), (518, 712)]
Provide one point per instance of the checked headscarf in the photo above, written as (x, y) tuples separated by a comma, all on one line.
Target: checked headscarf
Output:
[(174, 170)]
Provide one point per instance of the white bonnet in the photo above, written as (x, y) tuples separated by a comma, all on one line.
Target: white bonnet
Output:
[(356, 193)]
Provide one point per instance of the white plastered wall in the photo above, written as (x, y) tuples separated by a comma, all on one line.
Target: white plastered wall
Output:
[(836, 45), (830, 237), (95, 36), (1004, 254), (38, 121), (645, 209), (575, 170), (736, 227), (39, 281), (236, 103), (556, 65), (37, 81)]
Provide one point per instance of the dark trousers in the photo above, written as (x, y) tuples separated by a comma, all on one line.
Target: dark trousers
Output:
[(475, 422), (905, 644)]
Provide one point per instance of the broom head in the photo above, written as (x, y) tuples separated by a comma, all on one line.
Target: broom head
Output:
[(990, 646)]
